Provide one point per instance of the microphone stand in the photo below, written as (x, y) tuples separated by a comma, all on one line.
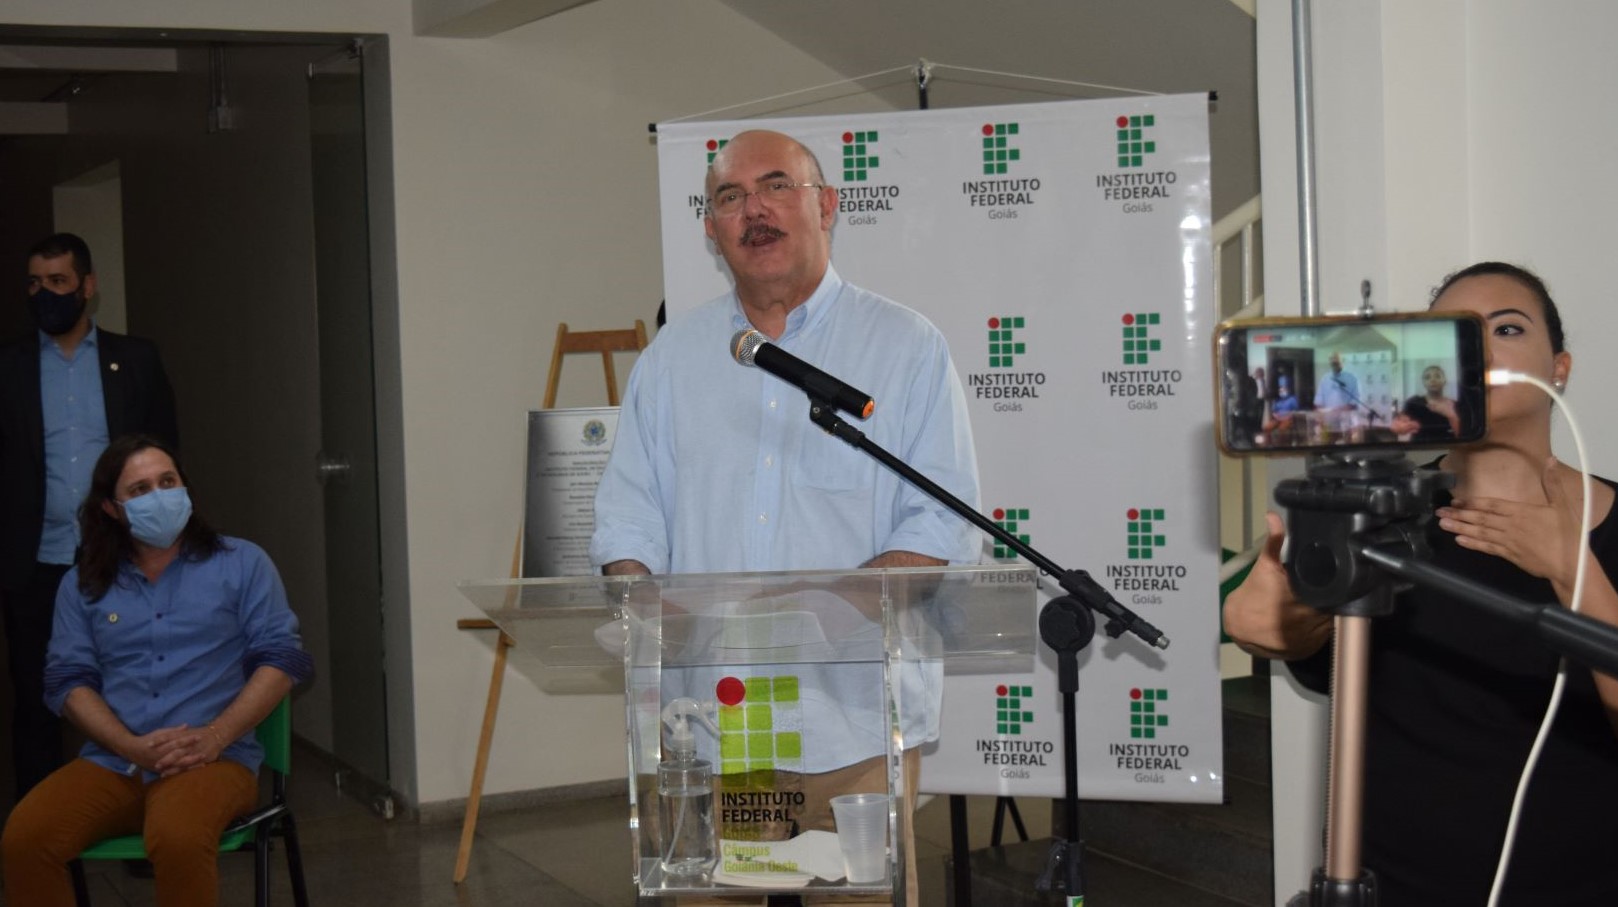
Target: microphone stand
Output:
[(1067, 623)]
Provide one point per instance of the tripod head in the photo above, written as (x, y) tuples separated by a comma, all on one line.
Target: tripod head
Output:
[(1346, 503)]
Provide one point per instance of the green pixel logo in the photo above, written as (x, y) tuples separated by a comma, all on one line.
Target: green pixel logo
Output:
[(996, 153), (713, 147), (1144, 718), (1009, 714), (858, 161), (1138, 342), (1003, 348), (760, 724), (1010, 519), (1142, 533), (1132, 149)]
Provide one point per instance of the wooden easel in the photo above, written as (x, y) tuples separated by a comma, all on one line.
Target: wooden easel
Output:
[(606, 343)]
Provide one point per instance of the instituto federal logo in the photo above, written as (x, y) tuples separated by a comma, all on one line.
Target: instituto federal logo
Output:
[(1010, 519), (760, 724), (858, 161), (1131, 183), (997, 153), (1144, 716), (1138, 342), (1132, 144), (1010, 708), (1143, 536), (713, 147), (1004, 348)]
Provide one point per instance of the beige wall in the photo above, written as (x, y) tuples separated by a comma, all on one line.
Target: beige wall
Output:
[(525, 188)]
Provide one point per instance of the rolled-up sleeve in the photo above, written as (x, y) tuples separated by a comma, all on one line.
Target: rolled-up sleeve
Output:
[(267, 620), (938, 444), (70, 660)]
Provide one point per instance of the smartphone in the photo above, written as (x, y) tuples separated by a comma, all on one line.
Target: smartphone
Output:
[(1291, 386)]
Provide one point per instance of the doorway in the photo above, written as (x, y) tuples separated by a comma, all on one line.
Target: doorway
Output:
[(261, 301)]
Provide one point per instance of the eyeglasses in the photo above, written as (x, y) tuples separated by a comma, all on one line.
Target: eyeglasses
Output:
[(730, 201)]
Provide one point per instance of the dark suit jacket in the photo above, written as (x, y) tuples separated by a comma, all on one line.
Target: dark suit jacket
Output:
[(138, 399)]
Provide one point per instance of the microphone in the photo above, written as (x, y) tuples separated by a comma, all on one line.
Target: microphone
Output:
[(751, 348)]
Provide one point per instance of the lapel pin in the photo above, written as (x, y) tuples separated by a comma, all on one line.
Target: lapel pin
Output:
[(113, 366)]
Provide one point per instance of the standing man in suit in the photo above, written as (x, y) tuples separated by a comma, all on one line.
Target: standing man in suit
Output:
[(66, 390)]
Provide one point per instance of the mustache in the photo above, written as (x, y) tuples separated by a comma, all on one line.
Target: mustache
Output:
[(754, 232)]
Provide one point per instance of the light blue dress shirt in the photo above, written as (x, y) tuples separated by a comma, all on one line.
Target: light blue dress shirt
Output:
[(717, 468), (1341, 389), (177, 651), (75, 435)]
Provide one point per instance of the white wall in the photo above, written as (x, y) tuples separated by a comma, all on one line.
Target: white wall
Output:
[(525, 189), (1448, 131)]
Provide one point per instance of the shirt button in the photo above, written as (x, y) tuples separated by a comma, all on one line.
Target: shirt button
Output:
[(769, 461), (159, 617), (763, 518), (772, 404), (160, 657)]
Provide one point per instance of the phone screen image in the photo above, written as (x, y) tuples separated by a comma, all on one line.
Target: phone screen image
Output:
[(1292, 386)]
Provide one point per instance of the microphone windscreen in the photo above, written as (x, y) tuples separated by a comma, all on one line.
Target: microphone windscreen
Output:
[(745, 344)]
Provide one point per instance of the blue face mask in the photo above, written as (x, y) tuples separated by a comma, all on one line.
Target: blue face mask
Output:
[(158, 517)]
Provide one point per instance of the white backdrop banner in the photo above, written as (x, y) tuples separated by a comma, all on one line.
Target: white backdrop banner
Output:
[(1064, 250)]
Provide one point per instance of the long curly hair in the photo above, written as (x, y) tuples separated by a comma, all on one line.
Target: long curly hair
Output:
[(105, 539)]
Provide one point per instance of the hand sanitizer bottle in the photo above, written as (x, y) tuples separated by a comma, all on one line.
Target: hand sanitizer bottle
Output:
[(685, 798)]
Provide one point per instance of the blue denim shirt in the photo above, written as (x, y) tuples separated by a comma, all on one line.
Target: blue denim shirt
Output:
[(177, 651)]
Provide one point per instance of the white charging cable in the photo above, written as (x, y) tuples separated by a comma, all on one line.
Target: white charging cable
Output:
[(1499, 377)]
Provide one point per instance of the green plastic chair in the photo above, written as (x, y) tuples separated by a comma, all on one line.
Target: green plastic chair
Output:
[(252, 830)]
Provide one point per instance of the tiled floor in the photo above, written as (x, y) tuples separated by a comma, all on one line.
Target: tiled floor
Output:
[(569, 855)]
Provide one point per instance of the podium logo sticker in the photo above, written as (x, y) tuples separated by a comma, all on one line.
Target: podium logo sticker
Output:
[(997, 150), (760, 724), (1010, 519), (1139, 343), (1145, 714), (1133, 144), (858, 161), (1143, 535), (1009, 711)]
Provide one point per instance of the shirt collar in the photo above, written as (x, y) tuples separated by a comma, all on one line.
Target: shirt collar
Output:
[(47, 342), (808, 314)]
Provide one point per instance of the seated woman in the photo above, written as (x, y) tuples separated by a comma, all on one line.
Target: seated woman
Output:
[(171, 643)]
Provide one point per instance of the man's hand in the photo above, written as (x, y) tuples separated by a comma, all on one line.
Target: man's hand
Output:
[(1263, 617), (625, 567)]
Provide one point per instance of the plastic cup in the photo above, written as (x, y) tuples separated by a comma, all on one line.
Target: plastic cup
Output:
[(862, 835)]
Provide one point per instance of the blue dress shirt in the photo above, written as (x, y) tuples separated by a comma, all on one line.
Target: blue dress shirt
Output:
[(177, 651), (717, 468), (75, 435), (1341, 389)]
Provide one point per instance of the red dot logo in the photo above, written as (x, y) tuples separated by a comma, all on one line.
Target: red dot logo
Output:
[(848, 138), (1000, 690), (1129, 319), (1135, 693), (1123, 122), (999, 513), (730, 690), (713, 144), (1134, 514), (988, 129), (994, 322)]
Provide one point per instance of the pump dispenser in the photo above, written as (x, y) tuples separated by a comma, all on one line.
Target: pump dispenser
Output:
[(685, 796)]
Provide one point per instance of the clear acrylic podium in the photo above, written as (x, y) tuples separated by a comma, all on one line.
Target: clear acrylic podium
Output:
[(800, 672)]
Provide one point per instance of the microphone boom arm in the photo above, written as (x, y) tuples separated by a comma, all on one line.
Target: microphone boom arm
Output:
[(1077, 583)]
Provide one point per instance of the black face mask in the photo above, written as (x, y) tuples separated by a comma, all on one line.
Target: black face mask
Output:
[(55, 313)]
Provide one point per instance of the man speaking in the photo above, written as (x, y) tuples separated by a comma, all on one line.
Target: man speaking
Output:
[(717, 468)]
